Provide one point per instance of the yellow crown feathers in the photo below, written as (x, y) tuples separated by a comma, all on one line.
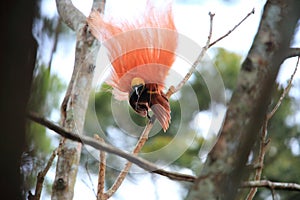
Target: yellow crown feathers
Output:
[(137, 81)]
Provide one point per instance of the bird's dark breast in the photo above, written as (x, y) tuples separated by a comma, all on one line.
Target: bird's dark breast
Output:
[(140, 101), (146, 97)]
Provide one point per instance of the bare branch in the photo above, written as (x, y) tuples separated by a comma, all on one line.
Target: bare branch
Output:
[(41, 177), (75, 102), (293, 52), (141, 142), (272, 185), (54, 47), (69, 14), (264, 142), (273, 193), (230, 31), (144, 164), (101, 174), (90, 178), (173, 89), (99, 5), (261, 156), (285, 91)]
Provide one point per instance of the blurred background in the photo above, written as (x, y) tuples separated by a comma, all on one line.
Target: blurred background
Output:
[(192, 119)]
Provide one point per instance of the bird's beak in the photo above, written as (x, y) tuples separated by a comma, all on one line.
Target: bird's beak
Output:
[(136, 91)]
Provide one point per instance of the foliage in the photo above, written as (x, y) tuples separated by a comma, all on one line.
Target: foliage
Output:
[(44, 98), (45, 94), (228, 63)]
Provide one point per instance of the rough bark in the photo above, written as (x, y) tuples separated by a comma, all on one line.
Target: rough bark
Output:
[(225, 166), (73, 108), (17, 60)]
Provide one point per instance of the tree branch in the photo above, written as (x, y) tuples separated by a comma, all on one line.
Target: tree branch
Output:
[(99, 5), (70, 15), (41, 177), (261, 156), (230, 31), (264, 142), (57, 31), (140, 143), (144, 164), (75, 103), (293, 52), (272, 185), (285, 91), (101, 174), (173, 89)]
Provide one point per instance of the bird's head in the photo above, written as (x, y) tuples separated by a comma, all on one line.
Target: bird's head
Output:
[(137, 85)]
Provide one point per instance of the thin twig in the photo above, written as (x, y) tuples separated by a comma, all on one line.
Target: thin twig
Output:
[(261, 157), (173, 89), (264, 142), (101, 175), (141, 142), (90, 179), (41, 177), (285, 91), (142, 163), (54, 47), (230, 31), (273, 193), (274, 185)]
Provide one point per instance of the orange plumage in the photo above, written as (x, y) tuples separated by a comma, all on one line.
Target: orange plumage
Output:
[(145, 50)]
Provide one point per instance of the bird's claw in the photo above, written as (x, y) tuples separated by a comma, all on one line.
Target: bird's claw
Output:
[(151, 119)]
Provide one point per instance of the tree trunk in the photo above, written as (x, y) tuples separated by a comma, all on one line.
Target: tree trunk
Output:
[(17, 60), (73, 108), (225, 166)]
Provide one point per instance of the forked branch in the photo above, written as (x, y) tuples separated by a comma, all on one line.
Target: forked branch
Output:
[(173, 89), (230, 31), (264, 141)]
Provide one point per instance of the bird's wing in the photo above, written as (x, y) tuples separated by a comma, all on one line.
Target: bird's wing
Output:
[(162, 114)]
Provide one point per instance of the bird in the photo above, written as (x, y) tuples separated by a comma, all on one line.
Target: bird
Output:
[(141, 53)]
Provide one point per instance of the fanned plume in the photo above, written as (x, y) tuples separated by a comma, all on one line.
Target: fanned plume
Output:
[(144, 48), (141, 54)]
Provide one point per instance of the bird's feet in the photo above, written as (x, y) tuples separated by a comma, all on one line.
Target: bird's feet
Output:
[(151, 119)]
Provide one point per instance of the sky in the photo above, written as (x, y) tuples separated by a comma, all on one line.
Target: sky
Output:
[(191, 20)]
